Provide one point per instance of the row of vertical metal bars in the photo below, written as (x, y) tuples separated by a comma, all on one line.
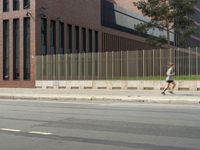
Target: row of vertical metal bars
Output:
[(120, 65)]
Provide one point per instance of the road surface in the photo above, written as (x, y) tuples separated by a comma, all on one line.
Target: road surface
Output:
[(57, 125)]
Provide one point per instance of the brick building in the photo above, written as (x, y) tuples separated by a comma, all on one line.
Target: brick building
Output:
[(29, 28)]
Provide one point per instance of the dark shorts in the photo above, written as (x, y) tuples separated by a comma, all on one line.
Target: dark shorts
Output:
[(170, 81)]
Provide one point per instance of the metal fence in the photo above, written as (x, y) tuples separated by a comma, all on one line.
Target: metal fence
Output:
[(122, 65)]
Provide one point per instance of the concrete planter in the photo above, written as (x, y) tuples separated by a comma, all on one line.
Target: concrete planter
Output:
[(117, 85)]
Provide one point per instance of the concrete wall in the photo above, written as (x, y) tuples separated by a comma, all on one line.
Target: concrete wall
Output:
[(123, 85)]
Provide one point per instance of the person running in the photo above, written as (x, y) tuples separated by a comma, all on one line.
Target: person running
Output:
[(169, 79)]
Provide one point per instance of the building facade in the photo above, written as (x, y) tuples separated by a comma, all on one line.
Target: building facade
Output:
[(17, 43), (30, 28), (192, 41)]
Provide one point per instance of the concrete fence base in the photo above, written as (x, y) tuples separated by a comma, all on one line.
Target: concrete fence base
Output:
[(117, 85)]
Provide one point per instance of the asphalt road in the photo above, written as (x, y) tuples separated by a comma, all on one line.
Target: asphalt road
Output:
[(37, 125)]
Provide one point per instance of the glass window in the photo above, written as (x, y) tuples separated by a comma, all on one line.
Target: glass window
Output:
[(5, 5), (96, 41), (84, 39), (61, 37), (26, 48), (16, 52), (6, 50), (69, 37), (44, 35), (77, 38), (15, 4), (53, 36), (90, 40), (26, 4)]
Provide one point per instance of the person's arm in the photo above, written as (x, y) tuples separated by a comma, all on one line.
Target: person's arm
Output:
[(170, 72)]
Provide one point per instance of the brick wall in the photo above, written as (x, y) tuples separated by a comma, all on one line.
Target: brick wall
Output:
[(10, 15), (79, 13)]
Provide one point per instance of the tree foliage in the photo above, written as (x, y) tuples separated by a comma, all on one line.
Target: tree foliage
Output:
[(168, 16)]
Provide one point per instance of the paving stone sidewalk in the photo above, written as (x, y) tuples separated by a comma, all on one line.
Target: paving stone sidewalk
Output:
[(145, 96)]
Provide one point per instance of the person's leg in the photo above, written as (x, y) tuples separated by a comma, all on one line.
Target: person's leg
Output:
[(173, 86), (166, 88)]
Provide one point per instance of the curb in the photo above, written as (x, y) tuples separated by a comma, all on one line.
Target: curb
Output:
[(125, 99)]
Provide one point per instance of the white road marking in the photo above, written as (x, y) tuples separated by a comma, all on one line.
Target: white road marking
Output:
[(11, 130), (31, 132), (42, 133)]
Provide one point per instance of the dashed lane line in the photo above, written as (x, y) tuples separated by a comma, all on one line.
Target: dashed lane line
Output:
[(42, 133), (31, 132), (11, 130)]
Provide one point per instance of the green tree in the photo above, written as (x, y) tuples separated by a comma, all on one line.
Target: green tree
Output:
[(168, 16)]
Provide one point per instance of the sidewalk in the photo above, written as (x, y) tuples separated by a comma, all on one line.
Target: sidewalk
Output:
[(145, 96)]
